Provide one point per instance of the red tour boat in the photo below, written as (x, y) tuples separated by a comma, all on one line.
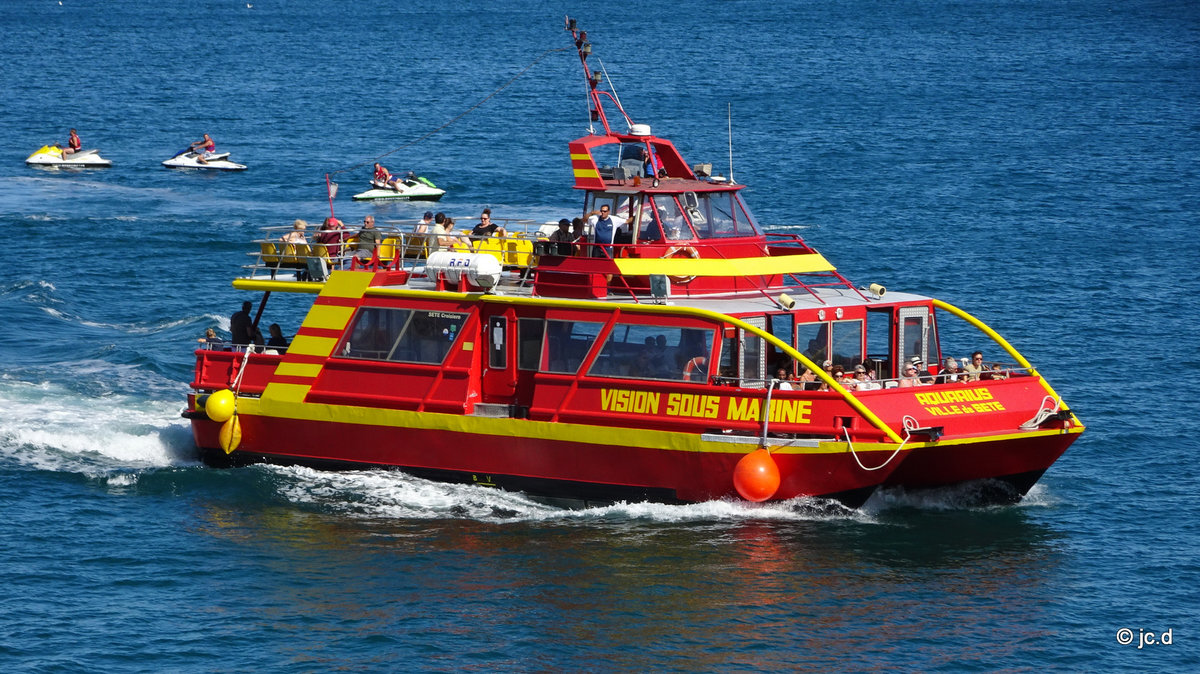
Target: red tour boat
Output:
[(675, 353)]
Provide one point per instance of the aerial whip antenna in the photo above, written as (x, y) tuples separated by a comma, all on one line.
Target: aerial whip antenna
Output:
[(729, 116)]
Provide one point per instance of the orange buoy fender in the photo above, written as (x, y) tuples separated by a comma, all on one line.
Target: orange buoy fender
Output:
[(231, 434), (756, 476)]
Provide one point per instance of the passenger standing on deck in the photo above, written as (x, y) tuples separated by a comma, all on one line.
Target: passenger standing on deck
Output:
[(369, 239), (578, 237), (204, 149), (73, 144), (240, 325), (604, 227)]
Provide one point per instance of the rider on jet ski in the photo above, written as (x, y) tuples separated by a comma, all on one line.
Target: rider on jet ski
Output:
[(204, 149)]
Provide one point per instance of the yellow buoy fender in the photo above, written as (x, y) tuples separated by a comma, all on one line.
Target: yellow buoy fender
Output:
[(756, 476), (231, 434), (220, 405), (200, 402)]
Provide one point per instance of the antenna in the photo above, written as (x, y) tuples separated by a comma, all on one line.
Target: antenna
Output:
[(616, 98), (729, 116)]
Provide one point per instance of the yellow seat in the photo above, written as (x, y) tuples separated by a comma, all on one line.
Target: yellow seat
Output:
[(387, 249), (296, 254), (491, 246), (518, 252), (270, 256)]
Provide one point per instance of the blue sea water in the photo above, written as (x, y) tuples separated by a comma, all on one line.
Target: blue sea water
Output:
[(1035, 162)]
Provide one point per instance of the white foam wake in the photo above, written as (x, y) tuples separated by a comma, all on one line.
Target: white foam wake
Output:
[(382, 494), (47, 427)]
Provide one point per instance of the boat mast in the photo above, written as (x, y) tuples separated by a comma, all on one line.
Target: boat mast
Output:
[(594, 78)]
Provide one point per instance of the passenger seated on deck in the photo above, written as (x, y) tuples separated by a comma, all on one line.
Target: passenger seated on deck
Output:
[(486, 227), (784, 378), (210, 337), (297, 233), (974, 367), (807, 381), (277, 340), (908, 378), (562, 238), (950, 373), (331, 235), (369, 239), (448, 240), (997, 373)]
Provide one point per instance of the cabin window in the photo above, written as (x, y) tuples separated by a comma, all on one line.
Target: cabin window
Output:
[(747, 225), (847, 343), (670, 215), (812, 339), (712, 215), (652, 352), (529, 342), (567, 344), (782, 326), (403, 335)]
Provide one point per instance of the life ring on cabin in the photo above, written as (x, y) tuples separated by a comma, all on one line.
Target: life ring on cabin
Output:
[(692, 366), (681, 251)]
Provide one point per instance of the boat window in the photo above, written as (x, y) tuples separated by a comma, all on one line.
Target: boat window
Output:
[(847, 343), (567, 344), (671, 216), (651, 351), (747, 224), (711, 214), (529, 345), (782, 326), (403, 335), (812, 339)]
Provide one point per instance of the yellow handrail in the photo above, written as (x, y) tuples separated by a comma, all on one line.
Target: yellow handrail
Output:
[(987, 330)]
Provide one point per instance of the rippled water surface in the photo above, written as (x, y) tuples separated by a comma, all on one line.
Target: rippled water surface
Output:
[(1033, 162)]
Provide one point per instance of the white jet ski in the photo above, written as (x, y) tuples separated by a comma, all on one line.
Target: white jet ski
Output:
[(415, 188), (50, 155), (218, 160)]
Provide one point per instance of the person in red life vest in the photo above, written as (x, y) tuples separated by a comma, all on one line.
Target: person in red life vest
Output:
[(384, 178), (204, 149), (73, 144)]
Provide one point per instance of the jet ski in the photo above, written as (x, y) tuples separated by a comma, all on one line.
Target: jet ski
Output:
[(187, 159), (412, 188), (49, 155)]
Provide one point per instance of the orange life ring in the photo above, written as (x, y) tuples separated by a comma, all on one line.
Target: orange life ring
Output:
[(692, 366), (687, 251)]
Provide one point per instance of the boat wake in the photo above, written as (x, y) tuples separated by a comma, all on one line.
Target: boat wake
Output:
[(394, 495), (48, 427)]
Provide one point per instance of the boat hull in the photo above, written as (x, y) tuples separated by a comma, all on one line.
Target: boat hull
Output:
[(48, 156), (218, 163), (541, 466), (1017, 462), (392, 195)]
